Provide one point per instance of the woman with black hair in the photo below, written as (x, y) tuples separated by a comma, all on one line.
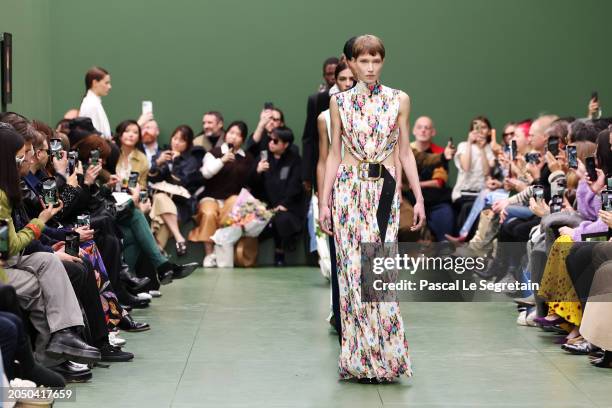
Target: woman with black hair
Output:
[(226, 169), (41, 282), (179, 166)]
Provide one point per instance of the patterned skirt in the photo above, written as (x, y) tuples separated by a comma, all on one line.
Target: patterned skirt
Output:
[(373, 340)]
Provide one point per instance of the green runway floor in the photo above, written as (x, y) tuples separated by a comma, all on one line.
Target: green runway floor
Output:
[(257, 338)]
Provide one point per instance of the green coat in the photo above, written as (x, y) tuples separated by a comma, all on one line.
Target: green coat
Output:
[(18, 240)]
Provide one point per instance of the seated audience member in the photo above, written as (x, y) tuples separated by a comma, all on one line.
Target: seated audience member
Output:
[(433, 175), (42, 284), (138, 238), (16, 345), (474, 160), (279, 183), (227, 169), (212, 131), (150, 135), (180, 165), (269, 119)]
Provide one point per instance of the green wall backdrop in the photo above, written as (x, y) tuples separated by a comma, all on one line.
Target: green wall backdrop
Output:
[(28, 21), (505, 59)]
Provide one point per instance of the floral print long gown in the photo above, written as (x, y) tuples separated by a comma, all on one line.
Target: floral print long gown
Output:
[(373, 340)]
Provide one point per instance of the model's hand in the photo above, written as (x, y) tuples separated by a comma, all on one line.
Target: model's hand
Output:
[(419, 216), (325, 219)]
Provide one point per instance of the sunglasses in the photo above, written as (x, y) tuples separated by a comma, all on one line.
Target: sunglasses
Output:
[(274, 140)]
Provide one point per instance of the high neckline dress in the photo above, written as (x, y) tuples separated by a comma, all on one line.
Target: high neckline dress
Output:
[(373, 342)]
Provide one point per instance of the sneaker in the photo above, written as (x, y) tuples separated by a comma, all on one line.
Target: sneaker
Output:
[(210, 261), (521, 320), (144, 296), (530, 318), (115, 340), (155, 293)]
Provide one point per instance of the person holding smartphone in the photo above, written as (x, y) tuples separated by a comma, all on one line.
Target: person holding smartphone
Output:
[(227, 169), (180, 166)]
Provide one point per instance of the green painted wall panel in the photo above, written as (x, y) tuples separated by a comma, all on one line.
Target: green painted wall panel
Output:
[(28, 21)]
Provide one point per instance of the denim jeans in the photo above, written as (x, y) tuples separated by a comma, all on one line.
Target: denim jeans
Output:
[(485, 198), (517, 211), (440, 220)]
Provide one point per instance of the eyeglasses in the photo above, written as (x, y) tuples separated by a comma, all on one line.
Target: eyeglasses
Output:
[(508, 134)]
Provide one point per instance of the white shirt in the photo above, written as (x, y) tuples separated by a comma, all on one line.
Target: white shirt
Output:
[(212, 165), (92, 108), (474, 179), (150, 152)]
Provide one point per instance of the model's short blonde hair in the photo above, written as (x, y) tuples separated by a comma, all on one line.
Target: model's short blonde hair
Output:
[(368, 44)]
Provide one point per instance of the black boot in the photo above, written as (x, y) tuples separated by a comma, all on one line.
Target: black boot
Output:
[(134, 283), (67, 344), (29, 369)]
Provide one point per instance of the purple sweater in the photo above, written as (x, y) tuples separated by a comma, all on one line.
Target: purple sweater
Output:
[(589, 205)]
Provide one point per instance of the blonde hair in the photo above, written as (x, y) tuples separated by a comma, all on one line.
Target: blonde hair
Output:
[(368, 44)]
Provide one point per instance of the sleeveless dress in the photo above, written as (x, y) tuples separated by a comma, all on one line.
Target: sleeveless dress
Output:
[(373, 339)]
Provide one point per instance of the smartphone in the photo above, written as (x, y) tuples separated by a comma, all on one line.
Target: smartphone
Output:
[(533, 157), (451, 142), (94, 157), (230, 146), (56, 148), (133, 180), (572, 156), (268, 105), (513, 150), (263, 155), (73, 158), (83, 220), (553, 146), (556, 204), (538, 192), (609, 183), (50, 194), (4, 239), (606, 198), (72, 243), (590, 168), (147, 107), (142, 197), (595, 96), (165, 147)]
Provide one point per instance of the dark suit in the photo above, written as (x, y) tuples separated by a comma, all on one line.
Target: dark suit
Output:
[(317, 103)]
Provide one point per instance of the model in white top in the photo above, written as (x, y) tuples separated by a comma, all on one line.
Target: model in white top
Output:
[(98, 84)]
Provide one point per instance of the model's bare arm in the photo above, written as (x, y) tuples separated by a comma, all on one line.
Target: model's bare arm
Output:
[(331, 167), (408, 162), (323, 152)]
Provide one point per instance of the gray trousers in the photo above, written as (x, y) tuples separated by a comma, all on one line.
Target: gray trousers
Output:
[(45, 291)]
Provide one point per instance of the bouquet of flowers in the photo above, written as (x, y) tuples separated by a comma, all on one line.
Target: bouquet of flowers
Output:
[(248, 217)]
